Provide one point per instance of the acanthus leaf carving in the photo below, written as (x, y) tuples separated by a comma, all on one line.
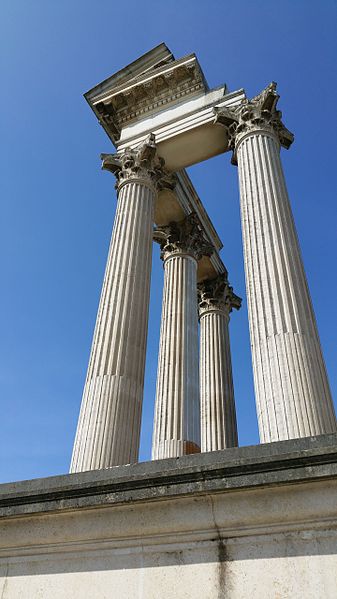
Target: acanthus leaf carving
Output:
[(251, 115), (183, 237), (141, 163), (217, 294)]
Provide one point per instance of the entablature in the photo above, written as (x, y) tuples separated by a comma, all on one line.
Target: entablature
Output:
[(126, 99), (186, 134), (174, 205), (169, 98)]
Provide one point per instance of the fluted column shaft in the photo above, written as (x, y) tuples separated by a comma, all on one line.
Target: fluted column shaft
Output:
[(177, 422), (292, 390), (177, 409), (109, 423), (108, 430), (217, 404)]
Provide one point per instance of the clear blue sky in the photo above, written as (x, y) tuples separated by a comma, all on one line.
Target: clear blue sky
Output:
[(57, 207)]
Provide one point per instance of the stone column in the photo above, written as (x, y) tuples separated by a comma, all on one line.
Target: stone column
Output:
[(109, 423), (292, 390), (217, 405), (177, 419)]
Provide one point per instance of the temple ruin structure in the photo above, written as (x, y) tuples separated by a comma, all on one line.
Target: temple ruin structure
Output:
[(162, 117), (204, 519)]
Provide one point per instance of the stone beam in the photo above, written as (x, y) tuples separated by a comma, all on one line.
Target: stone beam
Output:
[(186, 134), (172, 205)]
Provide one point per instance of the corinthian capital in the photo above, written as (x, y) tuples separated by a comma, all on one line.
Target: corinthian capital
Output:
[(183, 237), (216, 294), (253, 115), (141, 163)]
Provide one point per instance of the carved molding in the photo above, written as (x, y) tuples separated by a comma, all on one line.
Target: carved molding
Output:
[(142, 163), (183, 237), (154, 91), (253, 115), (216, 294), (162, 90)]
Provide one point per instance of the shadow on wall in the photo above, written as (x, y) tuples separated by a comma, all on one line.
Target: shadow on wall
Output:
[(102, 556)]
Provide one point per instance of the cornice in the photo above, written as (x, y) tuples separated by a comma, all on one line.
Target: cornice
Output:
[(149, 92), (156, 57)]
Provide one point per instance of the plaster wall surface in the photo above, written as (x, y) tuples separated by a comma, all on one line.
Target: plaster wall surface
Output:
[(244, 522)]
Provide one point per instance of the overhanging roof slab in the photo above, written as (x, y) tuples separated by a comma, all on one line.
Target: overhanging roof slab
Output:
[(185, 134)]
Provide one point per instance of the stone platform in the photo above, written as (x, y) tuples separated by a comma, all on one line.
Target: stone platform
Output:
[(246, 522)]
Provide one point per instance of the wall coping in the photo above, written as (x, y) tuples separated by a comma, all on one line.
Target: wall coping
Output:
[(284, 462)]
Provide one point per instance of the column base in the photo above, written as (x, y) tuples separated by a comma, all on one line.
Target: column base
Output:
[(174, 448)]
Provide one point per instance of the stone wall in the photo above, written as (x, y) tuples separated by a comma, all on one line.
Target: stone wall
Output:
[(243, 522)]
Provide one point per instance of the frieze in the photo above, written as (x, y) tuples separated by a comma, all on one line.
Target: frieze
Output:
[(147, 96)]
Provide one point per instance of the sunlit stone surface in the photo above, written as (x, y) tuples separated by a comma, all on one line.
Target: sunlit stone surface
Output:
[(109, 424), (177, 419), (235, 523), (240, 523), (292, 390), (217, 405)]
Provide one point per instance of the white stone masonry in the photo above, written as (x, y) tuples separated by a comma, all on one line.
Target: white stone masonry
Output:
[(292, 390), (109, 423), (177, 419), (217, 405)]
